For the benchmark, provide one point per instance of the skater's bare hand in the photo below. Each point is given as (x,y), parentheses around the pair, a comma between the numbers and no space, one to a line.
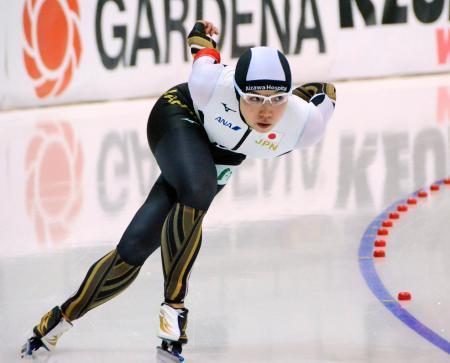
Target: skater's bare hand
(210,28)
(201,36)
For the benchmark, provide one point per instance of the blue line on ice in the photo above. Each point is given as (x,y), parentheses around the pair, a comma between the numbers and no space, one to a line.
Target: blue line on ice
(372,279)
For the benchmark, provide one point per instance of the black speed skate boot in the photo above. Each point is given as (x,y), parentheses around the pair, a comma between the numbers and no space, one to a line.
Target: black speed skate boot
(172,331)
(47,332)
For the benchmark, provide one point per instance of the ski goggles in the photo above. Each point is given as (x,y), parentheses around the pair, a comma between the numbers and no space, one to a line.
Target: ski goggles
(258,100)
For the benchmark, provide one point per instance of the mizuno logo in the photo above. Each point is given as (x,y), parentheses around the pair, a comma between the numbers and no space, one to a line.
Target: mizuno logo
(227,108)
(226,123)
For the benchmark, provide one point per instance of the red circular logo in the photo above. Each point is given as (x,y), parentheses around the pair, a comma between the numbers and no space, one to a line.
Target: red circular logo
(54,166)
(52,47)
(272,136)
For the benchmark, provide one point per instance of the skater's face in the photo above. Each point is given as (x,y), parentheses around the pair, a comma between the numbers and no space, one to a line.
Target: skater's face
(264,116)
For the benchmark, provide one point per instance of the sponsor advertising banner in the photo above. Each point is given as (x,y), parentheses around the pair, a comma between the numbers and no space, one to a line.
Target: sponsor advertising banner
(76,175)
(63,51)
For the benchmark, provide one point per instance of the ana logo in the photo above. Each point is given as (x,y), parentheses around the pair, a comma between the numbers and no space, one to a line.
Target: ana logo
(54,167)
(270,140)
(52,47)
(226,123)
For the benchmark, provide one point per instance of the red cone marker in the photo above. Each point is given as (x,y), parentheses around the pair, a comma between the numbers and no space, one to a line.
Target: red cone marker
(404,296)
(394,215)
(380,243)
(434,187)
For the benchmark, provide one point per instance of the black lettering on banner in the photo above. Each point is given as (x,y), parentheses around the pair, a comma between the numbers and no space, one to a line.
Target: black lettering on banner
(238,18)
(119,32)
(366,8)
(112,144)
(223,18)
(150,42)
(283,35)
(393,13)
(175,25)
(428,12)
(307,33)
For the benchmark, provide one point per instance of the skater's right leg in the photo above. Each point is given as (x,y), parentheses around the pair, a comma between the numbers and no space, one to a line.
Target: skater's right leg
(106,278)
(111,274)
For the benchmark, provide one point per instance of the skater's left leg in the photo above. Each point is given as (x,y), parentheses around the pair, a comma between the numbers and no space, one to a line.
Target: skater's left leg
(111,274)
(186,163)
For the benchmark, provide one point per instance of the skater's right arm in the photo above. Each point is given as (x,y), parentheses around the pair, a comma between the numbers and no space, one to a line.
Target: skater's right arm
(206,68)
(321,98)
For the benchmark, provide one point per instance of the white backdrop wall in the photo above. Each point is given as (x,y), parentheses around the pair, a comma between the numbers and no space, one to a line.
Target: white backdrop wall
(76,175)
(64,51)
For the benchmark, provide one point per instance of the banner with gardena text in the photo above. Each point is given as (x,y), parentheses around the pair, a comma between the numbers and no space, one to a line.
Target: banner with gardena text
(65,51)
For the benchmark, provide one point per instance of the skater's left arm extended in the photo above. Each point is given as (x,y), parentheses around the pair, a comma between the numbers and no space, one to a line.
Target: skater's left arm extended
(206,67)
(321,98)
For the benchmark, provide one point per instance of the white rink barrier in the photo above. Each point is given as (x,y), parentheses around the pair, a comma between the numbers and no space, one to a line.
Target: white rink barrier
(76,175)
(66,51)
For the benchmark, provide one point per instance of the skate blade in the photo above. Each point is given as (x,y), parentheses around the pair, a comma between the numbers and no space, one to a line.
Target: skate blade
(31,346)
(27,349)
(24,351)
(163,356)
